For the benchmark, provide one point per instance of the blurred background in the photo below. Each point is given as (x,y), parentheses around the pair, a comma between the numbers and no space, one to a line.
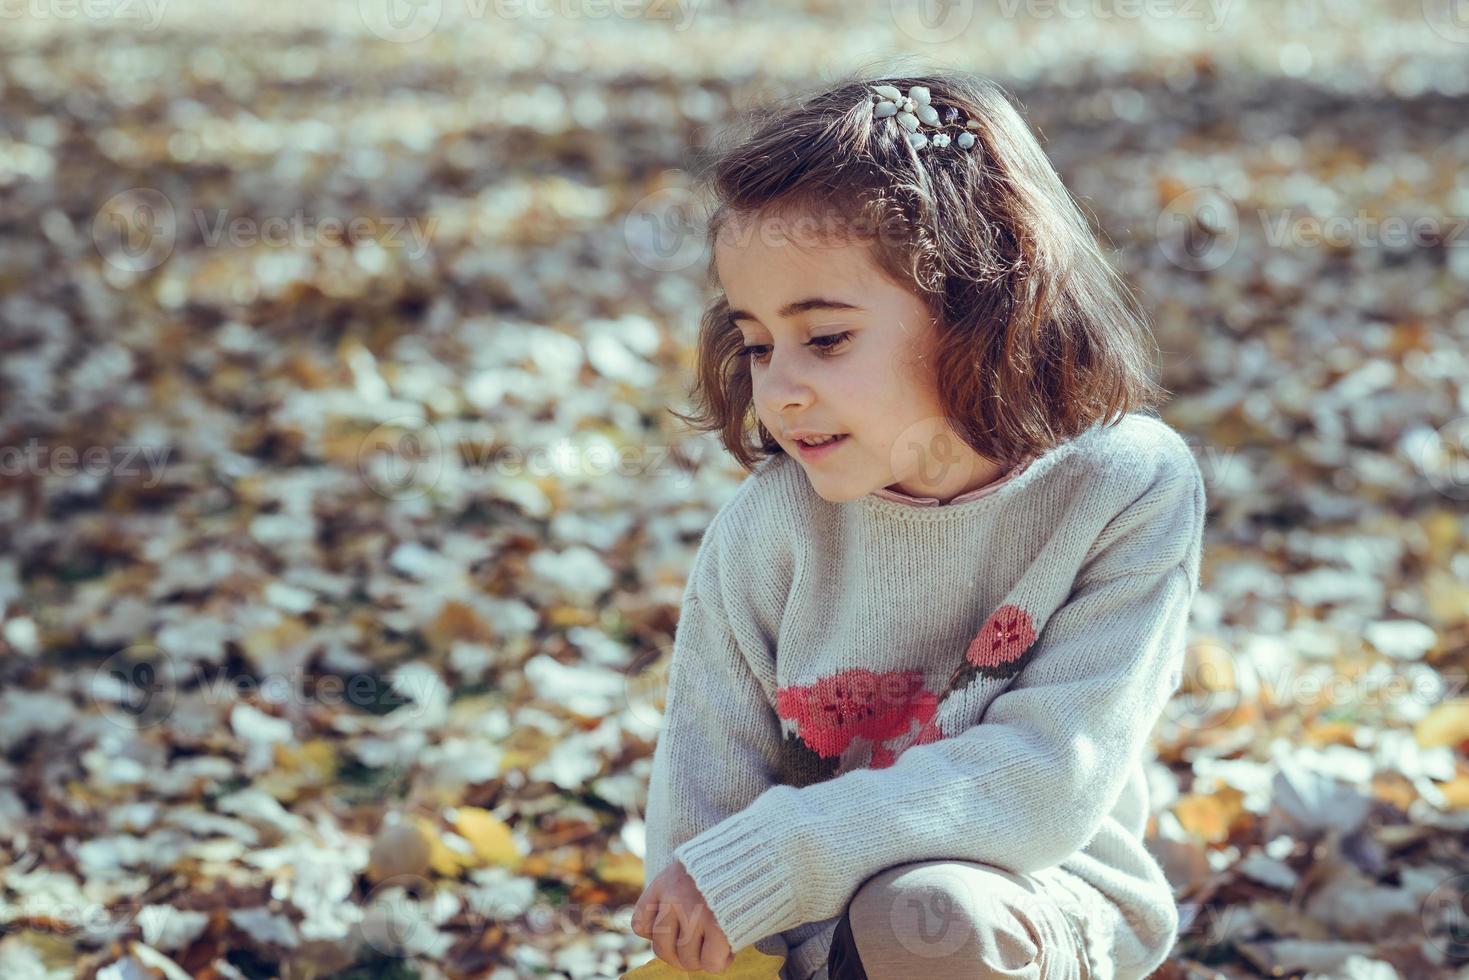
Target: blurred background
(344,522)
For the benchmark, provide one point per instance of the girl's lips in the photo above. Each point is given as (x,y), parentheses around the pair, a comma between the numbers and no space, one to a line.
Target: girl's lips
(814,453)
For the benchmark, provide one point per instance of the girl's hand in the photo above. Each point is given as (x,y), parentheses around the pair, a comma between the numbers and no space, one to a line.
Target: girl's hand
(672,914)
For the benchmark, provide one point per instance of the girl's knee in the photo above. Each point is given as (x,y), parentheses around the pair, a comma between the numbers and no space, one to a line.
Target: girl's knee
(942,919)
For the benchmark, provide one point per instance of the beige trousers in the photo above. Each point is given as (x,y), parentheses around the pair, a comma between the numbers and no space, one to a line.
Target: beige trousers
(959,920)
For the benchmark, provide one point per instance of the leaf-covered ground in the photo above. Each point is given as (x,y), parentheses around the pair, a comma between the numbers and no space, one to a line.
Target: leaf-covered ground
(344,522)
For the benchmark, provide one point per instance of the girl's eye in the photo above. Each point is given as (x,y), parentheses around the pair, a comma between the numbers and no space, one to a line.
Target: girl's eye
(825,345)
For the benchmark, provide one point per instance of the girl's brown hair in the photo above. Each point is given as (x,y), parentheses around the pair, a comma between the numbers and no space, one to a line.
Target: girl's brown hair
(1038,337)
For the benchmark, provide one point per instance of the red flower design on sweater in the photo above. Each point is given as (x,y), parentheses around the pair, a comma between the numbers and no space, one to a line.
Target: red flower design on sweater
(882,707)
(882,756)
(996,649)
(856,703)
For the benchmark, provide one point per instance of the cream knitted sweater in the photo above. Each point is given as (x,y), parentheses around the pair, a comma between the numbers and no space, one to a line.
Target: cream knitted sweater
(869,683)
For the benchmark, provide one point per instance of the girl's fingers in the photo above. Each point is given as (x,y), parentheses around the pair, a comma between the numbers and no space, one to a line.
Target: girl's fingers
(642,916)
(714,957)
(691,938)
(664,930)
(690,943)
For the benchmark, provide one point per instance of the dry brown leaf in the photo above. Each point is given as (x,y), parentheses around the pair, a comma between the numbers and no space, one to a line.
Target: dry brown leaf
(457,621)
(400,849)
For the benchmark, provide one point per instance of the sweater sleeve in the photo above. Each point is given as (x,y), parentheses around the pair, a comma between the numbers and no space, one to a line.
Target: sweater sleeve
(718,746)
(1021,790)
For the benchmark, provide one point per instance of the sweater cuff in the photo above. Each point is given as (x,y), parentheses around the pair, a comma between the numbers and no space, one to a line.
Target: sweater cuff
(736,865)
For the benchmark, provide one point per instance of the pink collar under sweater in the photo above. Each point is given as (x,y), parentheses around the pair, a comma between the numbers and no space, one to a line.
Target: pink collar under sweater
(888,493)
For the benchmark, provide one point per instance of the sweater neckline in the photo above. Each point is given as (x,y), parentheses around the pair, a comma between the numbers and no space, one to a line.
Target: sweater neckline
(1007,487)
(916,500)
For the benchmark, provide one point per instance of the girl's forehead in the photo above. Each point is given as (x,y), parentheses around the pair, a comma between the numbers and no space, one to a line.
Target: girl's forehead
(838,261)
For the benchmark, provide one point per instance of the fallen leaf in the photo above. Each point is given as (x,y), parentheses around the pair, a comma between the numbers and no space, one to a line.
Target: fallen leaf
(1445,724)
(748,964)
(620,867)
(442,859)
(1209,816)
(487,834)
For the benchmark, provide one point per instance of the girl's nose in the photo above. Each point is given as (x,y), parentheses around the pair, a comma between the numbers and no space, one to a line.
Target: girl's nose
(784,387)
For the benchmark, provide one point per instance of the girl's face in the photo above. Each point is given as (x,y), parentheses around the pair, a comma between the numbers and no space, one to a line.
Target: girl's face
(835,347)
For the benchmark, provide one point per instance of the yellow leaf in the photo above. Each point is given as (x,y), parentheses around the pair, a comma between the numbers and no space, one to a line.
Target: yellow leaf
(1446,596)
(1394,788)
(749,964)
(1442,529)
(443,859)
(262,646)
(1456,792)
(487,834)
(1208,667)
(620,868)
(562,616)
(467,710)
(1209,816)
(1445,724)
(1332,733)
(314,758)
(518,758)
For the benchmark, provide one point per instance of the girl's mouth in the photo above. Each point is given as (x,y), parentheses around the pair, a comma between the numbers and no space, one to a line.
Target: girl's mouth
(813,453)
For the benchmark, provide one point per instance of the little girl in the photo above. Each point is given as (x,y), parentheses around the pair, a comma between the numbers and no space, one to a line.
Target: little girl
(923,646)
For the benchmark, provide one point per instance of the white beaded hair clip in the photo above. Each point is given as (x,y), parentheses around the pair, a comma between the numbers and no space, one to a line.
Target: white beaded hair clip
(914,110)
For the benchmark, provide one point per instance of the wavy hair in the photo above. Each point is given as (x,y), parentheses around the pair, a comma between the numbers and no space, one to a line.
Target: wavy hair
(1038,339)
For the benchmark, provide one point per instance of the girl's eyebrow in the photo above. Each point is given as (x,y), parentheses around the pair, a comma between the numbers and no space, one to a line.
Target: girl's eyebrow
(800,306)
